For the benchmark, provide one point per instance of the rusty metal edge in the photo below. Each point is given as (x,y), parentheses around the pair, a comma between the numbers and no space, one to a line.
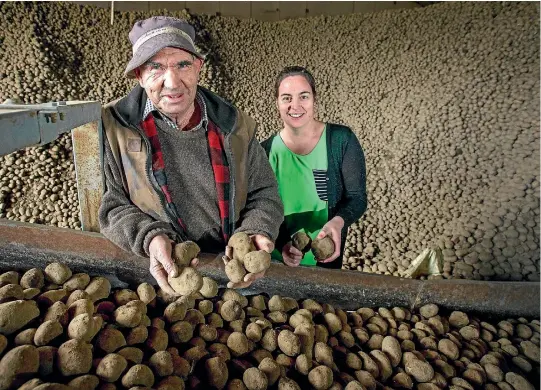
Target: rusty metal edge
(24,245)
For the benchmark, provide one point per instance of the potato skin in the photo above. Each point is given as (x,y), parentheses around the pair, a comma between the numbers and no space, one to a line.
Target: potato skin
(257,261)
(138,375)
(16,314)
(111,367)
(74,357)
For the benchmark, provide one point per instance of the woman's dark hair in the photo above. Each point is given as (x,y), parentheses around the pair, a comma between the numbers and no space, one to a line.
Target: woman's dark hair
(289,71)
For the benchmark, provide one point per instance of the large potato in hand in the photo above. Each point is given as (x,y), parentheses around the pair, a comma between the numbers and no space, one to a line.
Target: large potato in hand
(301,241)
(241,244)
(188,282)
(323,248)
(185,252)
(257,261)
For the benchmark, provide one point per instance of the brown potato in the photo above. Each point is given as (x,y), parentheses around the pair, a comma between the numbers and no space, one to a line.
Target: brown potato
(209,288)
(85,382)
(185,252)
(77,282)
(138,375)
(74,357)
(255,379)
(111,367)
(321,377)
(98,288)
(217,372)
(241,244)
(161,363)
(146,293)
(33,278)
(47,331)
(257,261)
(323,248)
(188,282)
(109,340)
(235,271)
(16,314)
(57,273)
(302,241)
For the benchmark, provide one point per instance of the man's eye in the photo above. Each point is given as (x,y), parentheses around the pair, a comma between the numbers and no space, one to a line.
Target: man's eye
(154,66)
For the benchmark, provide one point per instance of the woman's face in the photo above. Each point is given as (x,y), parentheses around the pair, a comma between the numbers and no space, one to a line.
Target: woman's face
(295,101)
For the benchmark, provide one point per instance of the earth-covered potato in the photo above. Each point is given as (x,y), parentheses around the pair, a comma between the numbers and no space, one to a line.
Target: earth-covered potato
(98,288)
(33,278)
(320,377)
(241,244)
(74,357)
(188,282)
(161,363)
(110,340)
(302,241)
(85,382)
(257,261)
(77,282)
(185,252)
(17,361)
(47,331)
(217,372)
(235,271)
(323,248)
(209,288)
(57,273)
(146,292)
(138,375)
(111,367)
(16,314)
(255,379)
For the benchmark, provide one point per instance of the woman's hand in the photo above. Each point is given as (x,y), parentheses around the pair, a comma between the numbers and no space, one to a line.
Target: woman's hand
(333,229)
(261,242)
(291,255)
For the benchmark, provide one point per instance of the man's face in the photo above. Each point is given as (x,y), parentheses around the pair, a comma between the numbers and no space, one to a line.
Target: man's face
(170,80)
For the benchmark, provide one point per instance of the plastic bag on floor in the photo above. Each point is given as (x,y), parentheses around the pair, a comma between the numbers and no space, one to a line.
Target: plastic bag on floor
(429,262)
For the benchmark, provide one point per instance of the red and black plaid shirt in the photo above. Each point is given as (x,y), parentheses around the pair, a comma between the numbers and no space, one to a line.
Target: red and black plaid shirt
(218,160)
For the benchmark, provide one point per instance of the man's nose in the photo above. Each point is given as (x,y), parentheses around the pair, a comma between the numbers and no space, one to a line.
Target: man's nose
(171,78)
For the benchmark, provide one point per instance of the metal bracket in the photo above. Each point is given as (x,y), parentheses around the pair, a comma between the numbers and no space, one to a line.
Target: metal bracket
(24,125)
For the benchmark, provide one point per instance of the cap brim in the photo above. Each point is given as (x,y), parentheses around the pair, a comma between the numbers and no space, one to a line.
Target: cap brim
(151,47)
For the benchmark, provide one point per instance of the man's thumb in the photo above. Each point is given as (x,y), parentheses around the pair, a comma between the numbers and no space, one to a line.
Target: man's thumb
(171,268)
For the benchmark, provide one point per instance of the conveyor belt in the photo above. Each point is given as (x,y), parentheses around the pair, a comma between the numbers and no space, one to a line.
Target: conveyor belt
(23,246)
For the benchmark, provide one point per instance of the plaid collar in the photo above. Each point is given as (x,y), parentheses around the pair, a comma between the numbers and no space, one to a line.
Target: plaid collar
(149,108)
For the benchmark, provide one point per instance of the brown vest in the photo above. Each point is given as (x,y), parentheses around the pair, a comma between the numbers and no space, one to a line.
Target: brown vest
(132,156)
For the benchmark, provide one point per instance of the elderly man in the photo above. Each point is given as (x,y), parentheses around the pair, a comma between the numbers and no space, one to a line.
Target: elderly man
(181,163)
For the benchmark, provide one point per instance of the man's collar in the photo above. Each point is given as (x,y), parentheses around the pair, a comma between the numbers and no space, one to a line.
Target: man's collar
(150,107)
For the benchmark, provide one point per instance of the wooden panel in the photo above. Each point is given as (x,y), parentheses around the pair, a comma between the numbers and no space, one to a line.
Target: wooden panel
(291,9)
(372,6)
(329,7)
(168,5)
(236,9)
(203,7)
(265,10)
(124,6)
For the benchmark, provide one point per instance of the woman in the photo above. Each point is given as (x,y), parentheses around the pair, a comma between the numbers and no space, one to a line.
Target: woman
(320,170)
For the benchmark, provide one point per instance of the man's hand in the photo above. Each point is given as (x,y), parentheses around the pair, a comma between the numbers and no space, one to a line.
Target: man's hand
(333,229)
(291,255)
(161,263)
(261,242)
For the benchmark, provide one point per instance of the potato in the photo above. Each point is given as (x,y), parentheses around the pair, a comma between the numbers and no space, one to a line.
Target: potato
(205,307)
(420,370)
(130,315)
(458,319)
(333,323)
(18,361)
(303,364)
(157,339)
(255,379)
(181,332)
(98,288)
(137,335)
(146,293)
(76,295)
(16,314)
(384,364)
(3,343)
(25,337)
(193,355)
(185,252)
(124,296)
(49,297)
(391,347)
(323,354)
(209,288)
(302,241)
(171,383)
(236,384)
(241,244)
(321,377)
(47,331)
(109,340)
(31,384)
(132,354)
(269,341)
(288,384)
(231,310)
(161,363)
(74,357)
(30,293)
(57,273)
(9,277)
(254,332)
(138,375)
(11,292)
(188,282)
(238,343)
(175,311)
(84,327)
(80,306)
(111,367)
(289,343)
(77,282)
(85,382)
(52,386)
(33,278)
(235,271)
(217,373)
(323,248)
(257,261)
(271,369)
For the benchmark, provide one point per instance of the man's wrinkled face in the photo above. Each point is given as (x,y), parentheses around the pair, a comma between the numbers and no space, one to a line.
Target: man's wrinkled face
(170,80)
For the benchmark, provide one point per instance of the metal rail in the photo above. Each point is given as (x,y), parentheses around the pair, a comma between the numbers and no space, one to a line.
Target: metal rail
(24,245)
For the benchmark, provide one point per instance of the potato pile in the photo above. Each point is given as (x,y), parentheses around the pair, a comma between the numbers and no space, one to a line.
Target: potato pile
(244,259)
(444,100)
(66,330)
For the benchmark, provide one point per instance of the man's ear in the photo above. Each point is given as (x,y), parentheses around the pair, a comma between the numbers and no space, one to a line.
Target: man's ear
(198,64)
